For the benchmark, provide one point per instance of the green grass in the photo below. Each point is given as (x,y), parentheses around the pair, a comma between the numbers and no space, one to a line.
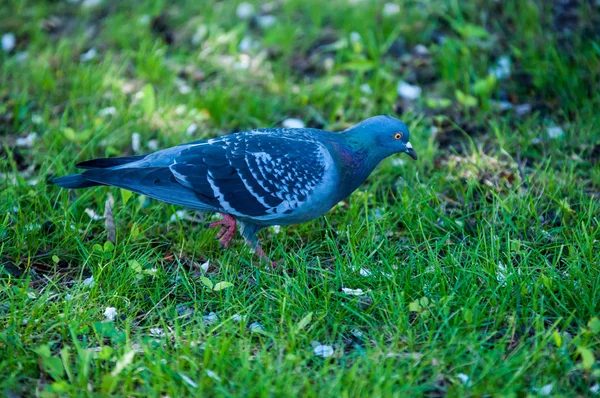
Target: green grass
(480,260)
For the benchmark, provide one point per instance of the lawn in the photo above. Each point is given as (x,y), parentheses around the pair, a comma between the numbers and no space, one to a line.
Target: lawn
(472,271)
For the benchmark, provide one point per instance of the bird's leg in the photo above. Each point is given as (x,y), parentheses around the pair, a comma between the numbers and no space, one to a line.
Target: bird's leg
(263,256)
(249,232)
(228,228)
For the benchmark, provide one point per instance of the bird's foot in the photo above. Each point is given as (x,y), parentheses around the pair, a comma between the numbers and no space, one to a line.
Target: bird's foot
(227,232)
(263,256)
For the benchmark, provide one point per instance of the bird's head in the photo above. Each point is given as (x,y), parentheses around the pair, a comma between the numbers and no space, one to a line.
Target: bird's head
(384,135)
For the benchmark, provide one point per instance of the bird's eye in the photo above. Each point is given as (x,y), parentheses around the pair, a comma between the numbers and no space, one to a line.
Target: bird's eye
(397,136)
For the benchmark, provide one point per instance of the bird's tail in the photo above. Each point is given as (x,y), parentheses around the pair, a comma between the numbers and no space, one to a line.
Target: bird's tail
(73,181)
(76,181)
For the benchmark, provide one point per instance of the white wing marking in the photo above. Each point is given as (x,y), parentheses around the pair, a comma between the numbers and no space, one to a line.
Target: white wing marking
(217,194)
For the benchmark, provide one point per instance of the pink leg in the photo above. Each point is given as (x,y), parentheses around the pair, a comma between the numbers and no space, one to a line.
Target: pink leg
(263,256)
(228,228)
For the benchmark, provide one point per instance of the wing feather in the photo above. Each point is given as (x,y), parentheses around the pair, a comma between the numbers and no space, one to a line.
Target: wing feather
(253,174)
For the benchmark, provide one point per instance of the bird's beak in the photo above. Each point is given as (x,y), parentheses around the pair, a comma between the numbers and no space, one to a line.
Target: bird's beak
(410,151)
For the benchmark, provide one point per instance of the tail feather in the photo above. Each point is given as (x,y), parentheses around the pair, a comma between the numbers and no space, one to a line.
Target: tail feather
(155,182)
(74,181)
(103,163)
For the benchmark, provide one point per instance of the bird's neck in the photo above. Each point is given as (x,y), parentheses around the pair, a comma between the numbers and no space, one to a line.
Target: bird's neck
(357,161)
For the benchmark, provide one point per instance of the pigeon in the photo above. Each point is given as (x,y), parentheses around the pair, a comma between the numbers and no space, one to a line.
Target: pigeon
(255,178)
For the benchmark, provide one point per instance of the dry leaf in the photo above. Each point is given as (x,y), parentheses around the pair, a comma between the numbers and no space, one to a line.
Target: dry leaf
(111,231)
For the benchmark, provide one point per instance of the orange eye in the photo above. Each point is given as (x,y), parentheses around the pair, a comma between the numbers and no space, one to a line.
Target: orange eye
(397,136)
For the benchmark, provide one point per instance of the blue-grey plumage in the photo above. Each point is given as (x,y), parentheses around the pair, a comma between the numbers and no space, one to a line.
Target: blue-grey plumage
(259,177)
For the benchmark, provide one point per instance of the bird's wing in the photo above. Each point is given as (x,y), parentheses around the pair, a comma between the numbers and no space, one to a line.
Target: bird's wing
(259,174)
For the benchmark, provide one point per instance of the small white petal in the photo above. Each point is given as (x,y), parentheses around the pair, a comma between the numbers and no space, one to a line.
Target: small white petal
(110,313)
(502,68)
(397,162)
(408,91)
(111,110)
(32,227)
(211,318)
(89,282)
(323,351)
(88,55)
(157,332)
(353,292)
(555,132)
(255,327)
(464,379)
(328,64)
(144,19)
(595,388)
(366,89)
(128,88)
(501,274)
(276,229)
(355,37)
(153,145)
(244,10)
(501,105)
(180,109)
(243,62)
(365,272)
(246,44)
(522,109)
(293,123)
(546,390)
(26,142)
(93,215)
(357,333)
(9,41)
(136,142)
(205,266)
(185,89)
(266,21)
(191,129)
(179,214)
(390,9)
(238,318)
(91,3)
(378,213)
(421,50)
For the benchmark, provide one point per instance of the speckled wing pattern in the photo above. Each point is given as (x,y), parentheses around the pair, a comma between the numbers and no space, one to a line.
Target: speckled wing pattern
(260,174)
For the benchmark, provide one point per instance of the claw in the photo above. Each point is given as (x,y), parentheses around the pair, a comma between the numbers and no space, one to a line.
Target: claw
(227,231)
(221,232)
